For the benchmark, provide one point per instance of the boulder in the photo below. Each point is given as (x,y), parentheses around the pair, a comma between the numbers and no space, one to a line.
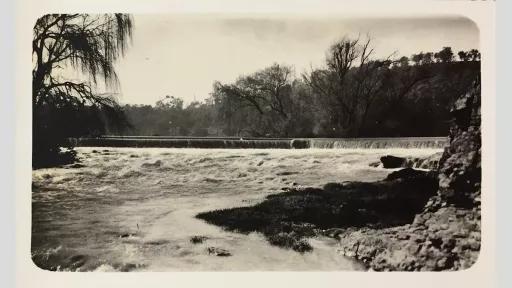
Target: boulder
(393,161)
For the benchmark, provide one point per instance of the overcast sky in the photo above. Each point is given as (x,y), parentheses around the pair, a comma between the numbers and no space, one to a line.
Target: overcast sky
(183,55)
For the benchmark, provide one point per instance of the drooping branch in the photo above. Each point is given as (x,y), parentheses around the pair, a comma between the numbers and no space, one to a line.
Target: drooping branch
(89,44)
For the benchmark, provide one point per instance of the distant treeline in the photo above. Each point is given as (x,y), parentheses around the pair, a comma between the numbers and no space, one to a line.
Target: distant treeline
(352,95)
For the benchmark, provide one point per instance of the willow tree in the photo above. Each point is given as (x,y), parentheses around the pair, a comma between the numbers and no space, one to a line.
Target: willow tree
(62,108)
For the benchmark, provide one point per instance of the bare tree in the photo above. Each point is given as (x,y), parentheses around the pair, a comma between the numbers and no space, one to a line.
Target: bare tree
(348,84)
(267,92)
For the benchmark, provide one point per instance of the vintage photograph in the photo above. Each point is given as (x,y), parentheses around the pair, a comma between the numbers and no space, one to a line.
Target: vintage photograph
(241,142)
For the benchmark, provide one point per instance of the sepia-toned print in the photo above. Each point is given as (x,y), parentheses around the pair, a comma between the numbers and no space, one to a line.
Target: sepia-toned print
(255,143)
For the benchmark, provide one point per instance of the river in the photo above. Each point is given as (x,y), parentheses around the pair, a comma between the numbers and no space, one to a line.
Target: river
(132,209)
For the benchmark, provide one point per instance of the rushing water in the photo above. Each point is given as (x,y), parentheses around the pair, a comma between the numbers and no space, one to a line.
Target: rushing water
(133,208)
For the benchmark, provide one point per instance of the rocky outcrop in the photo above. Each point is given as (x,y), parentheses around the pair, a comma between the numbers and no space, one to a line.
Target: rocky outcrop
(446,234)
(447,239)
(460,169)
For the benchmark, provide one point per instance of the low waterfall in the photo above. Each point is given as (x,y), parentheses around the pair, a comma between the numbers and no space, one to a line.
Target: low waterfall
(379,143)
(228,143)
(261,143)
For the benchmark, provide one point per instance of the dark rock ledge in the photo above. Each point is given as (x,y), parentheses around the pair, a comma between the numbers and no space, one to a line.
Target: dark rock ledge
(287,219)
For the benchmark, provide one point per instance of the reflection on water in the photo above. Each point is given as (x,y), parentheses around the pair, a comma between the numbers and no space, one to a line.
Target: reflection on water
(132,209)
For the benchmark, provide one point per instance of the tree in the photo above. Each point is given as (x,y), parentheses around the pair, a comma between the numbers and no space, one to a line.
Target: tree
(463,56)
(348,85)
(428,58)
(445,55)
(170,102)
(87,43)
(417,58)
(264,96)
(403,61)
(474,55)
